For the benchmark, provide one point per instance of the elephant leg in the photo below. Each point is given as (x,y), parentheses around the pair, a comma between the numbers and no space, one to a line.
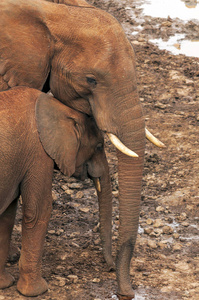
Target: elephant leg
(6,226)
(37,206)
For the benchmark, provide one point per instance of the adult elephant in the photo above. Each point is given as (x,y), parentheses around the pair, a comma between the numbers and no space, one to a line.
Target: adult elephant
(84,56)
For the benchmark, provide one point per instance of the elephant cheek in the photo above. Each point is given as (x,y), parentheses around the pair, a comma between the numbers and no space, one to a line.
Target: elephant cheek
(81,172)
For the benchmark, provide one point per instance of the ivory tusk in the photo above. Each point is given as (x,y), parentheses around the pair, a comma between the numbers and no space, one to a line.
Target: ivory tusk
(97,184)
(153,139)
(120,146)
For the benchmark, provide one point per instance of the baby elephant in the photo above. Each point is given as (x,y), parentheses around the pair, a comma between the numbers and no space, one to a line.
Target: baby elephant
(36,130)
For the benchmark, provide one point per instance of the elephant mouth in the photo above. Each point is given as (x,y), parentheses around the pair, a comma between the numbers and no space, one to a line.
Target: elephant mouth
(82,173)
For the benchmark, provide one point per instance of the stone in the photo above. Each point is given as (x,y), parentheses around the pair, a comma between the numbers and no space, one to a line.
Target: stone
(183,267)
(160,208)
(61,281)
(182,217)
(79,195)
(162,245)
(84,209)
(176,236)
(96,280)
(64,256)
(54,196)
(75,185)
(73,278)
(185,224)
(149,221)
(177,247)
(166,24)
(152,244)
(158,223)
(148,230)
(167,230)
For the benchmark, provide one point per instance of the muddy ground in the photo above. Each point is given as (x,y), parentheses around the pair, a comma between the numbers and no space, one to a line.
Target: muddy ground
(166,262)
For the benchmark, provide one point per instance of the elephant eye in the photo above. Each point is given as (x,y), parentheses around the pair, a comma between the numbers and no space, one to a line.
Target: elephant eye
(91,81)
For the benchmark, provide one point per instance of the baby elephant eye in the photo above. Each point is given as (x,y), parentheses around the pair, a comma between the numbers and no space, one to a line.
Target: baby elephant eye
(91,81)
(99,147)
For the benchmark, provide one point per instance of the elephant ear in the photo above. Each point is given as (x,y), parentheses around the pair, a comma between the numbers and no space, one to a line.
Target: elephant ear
(58,132)
(25,48)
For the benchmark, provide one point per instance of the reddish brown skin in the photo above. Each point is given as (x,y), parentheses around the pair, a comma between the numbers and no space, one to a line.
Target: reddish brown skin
(71,44)
(27,169)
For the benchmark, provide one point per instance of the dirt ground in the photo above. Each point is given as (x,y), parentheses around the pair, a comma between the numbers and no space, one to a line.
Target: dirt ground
(166,258)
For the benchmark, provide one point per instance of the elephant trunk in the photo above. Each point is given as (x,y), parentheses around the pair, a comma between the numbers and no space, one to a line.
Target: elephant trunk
(130,171)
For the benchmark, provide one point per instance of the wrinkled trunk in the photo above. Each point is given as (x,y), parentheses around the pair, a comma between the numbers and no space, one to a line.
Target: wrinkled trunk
(130,170)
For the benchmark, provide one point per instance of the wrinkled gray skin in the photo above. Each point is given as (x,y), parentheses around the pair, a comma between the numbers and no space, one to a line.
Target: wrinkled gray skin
(90,66)
(36,130)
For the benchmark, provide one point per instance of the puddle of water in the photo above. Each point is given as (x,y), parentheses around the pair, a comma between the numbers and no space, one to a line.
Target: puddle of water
(177,45)
(182,9)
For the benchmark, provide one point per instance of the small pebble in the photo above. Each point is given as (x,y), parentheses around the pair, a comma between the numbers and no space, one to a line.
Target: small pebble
(158,223)
(152,244)
(73,278)
(96,280)
(167,230)
(160,208)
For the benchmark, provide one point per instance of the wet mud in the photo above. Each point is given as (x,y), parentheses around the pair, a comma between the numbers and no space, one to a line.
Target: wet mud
(165,264)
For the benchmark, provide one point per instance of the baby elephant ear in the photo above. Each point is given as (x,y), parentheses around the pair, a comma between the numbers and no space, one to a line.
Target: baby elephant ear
(58,132)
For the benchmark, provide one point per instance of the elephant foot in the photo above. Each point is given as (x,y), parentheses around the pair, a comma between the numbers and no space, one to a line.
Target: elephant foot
(32,288)
(6,280)
(122,297)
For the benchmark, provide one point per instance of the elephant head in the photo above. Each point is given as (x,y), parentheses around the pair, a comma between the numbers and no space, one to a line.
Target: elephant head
(85,56)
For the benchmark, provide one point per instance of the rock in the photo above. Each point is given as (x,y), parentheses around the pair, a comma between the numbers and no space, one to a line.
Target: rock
(182,217)
(96,228)
(97,241)
(160,105)
(185,224)
(96,280)
(177,247)
(79,195)
(176,236)
(61,281)
(162,244)
(51,231)
(54,196)
(149,221)
(160,208)
(167,230)
(158,223)
(75,185)
(157,232)
(152,244)
(166,24)
(183,267)
(84,209)
(148,230)
(73,278)
(64,256)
